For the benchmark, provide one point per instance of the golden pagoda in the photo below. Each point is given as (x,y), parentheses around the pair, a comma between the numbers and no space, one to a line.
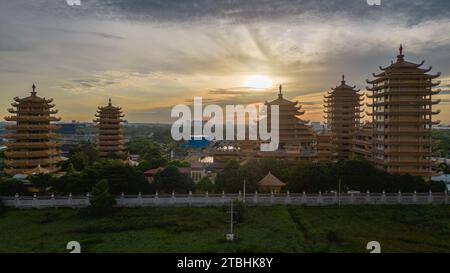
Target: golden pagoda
(109,131)
(343,114)
(402,117)
(296,138)
(362,144)
(32,146)
(326,147)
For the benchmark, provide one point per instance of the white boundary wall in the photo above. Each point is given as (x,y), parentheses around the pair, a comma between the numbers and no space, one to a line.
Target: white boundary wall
(256,199)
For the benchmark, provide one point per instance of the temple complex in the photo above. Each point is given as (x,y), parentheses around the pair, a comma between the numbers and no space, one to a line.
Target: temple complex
(362,143)
(110,141)
(32,147)
(343,115)
(326,147)
(402,117)
(297,140)
(296,137)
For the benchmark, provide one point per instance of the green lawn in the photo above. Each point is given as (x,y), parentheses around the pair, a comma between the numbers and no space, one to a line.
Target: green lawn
(264,229)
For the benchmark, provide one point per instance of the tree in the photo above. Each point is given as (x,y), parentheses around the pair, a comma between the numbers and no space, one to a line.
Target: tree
(79,161)
(170,179)
(11,186)
(102,202)
(205,185)
(73,182)
(230,179)
(43,182)
(121,177)
(179,163)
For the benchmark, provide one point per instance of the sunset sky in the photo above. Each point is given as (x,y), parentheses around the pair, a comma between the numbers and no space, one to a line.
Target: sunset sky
(151,55)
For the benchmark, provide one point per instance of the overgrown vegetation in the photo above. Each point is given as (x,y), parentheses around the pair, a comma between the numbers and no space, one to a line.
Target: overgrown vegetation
(102,202)
(354,174)
(263,229)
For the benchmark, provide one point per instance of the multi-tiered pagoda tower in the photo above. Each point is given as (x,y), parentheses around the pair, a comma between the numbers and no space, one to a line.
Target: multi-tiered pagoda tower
(402,117)
(295,135)
(109,135)
(343,114)
(32,145)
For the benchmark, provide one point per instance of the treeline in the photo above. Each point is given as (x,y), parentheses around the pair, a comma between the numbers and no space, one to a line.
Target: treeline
(355,174)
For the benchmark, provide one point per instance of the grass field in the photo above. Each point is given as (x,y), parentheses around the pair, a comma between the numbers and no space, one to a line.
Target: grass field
(264,229)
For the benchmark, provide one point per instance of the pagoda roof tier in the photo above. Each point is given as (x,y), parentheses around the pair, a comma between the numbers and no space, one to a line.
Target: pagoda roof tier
(403,131)
(111,148)
(43,106)
(410,102)
(32,111)
(33,99)
(30,136)
(109,142)
(30,127)
(109,126)
(423,152)
(109,132)
(106,115)
(12,171)
(402,112)
(109,109)
(396,75)
(411,92)
(32,118)
(18,145)
(21,154)
(408,122)
(408,162)
(404,142)
(109,120)
(109,137)
(402,86)
(33,162)
(344,100)
(340,113)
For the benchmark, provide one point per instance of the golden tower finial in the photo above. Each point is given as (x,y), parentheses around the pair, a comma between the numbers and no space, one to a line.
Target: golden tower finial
(400,56)
(33,88)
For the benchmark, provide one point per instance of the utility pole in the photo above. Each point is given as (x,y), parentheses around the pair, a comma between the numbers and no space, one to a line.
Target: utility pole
(339,193)
(230,236)
(243,200)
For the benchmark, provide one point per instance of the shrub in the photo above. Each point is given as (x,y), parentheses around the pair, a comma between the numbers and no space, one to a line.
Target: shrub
(102,202)
(2,207)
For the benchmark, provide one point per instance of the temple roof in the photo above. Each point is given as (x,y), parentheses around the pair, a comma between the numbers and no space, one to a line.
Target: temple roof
(344,86)
(402,65)
(33,97)
(281,101)
(271,181)
(110,107)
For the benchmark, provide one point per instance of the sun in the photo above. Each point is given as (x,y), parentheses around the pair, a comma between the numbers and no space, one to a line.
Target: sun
(258,82)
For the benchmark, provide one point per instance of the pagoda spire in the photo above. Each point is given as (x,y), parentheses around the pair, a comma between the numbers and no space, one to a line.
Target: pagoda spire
(33,88)
(400,57)
(343,79)
(109,102)
(280,94)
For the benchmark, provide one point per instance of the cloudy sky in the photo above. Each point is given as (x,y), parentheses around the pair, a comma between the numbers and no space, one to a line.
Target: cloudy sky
(149,55)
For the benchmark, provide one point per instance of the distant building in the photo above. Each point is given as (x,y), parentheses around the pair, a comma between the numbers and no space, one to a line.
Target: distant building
(32,145)
(109,131)
(270,183)
(343,114)
(326,147)
(362,143)
(402,117)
